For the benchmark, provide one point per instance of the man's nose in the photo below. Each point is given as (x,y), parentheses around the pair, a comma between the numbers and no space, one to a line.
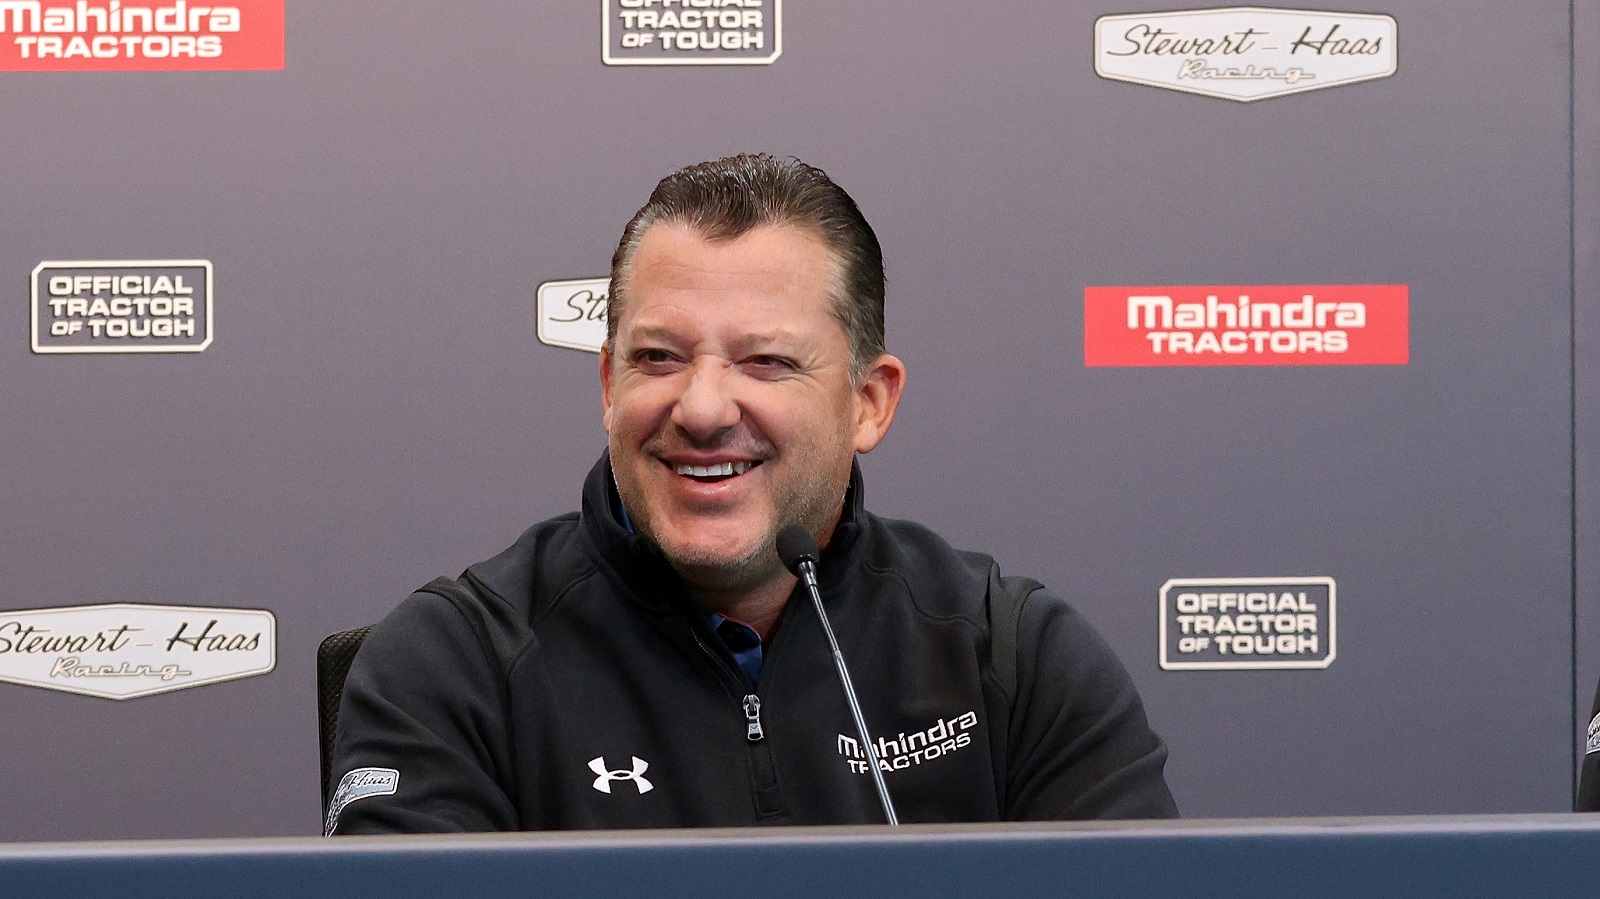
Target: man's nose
(707,405)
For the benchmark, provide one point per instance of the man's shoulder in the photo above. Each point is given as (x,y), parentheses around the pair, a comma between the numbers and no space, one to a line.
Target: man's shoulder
(940,577)
(898,541)
(518,581)
(548,553)
(498,599)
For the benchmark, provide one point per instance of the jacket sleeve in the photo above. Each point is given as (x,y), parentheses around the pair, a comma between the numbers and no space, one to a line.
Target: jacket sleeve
(1079,746)
(422,744)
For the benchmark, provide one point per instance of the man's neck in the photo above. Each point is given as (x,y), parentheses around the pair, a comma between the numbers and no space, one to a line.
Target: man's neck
(758,601)
(760,606)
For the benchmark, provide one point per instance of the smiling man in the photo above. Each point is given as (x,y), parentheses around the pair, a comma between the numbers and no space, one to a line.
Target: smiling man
(733,403)
(646,663)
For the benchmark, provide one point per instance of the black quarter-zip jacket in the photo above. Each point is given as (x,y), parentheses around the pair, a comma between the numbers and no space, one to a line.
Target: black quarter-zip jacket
(571,683)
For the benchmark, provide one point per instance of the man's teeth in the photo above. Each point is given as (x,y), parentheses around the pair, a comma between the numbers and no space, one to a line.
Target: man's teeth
(710,471)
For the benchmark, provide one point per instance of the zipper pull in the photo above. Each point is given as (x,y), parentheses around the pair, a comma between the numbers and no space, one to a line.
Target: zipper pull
(752,718)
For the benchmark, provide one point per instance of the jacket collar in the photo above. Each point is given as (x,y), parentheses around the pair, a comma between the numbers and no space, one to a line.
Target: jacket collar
(639,564)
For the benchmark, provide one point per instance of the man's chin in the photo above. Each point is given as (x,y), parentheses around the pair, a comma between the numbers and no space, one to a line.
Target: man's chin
(720,566)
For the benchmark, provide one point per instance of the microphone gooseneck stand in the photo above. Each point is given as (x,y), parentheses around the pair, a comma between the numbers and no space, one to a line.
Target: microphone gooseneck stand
(799,554)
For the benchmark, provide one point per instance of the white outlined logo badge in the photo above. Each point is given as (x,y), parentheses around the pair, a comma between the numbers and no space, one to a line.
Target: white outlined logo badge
(691,32)
(1245,53)
(572,314)
(1247,623)
(122,306)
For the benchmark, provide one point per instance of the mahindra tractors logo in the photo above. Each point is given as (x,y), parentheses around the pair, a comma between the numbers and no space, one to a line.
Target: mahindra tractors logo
(119,36)
(907,750)
(1323,324)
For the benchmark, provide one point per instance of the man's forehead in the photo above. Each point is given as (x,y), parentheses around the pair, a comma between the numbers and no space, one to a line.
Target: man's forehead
(678,273)
(675,237)
(676,244)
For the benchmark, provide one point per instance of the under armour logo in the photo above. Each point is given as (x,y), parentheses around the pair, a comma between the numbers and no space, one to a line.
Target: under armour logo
(603,782)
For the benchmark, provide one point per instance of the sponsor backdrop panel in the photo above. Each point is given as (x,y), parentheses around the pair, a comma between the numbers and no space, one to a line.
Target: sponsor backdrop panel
(375,213)
(1429,491)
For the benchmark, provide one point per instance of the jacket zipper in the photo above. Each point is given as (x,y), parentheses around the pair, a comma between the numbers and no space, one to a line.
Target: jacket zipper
(767,800)
(752,718)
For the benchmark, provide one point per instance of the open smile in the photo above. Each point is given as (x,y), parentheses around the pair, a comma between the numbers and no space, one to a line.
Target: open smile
(710,474)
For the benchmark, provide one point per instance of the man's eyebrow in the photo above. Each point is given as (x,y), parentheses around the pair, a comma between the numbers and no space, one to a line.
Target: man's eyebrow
(780,339)
(653,332)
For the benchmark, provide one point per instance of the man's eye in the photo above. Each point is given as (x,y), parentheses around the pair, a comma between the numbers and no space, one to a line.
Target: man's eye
(771,363)
(652,357)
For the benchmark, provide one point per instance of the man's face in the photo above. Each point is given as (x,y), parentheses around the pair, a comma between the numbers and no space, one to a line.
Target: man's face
(728,401)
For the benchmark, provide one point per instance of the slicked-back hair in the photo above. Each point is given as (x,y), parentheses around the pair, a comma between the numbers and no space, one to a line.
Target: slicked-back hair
(724,199)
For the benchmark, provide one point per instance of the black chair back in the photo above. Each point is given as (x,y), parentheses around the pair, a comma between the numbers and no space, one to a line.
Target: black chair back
(1589,778)
(333,663)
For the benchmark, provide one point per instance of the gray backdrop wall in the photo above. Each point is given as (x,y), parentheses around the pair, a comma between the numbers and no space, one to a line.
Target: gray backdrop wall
(375,408)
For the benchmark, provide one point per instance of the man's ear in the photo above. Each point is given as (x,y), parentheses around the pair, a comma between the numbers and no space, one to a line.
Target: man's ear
(877,399)
(605,385)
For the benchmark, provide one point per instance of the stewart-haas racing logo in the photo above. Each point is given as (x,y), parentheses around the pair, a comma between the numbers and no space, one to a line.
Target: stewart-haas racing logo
(126,650)
(944,737)
(572,313)
(1319,324)
(1245,53)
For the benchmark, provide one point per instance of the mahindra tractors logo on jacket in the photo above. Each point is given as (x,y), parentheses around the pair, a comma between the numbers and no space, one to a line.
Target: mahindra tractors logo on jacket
(905,750)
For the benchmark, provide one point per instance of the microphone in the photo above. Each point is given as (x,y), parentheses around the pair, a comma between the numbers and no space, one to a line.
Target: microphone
(799,553)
